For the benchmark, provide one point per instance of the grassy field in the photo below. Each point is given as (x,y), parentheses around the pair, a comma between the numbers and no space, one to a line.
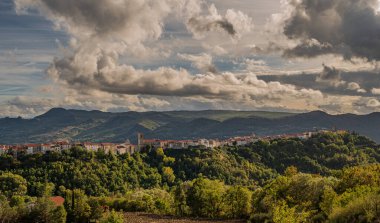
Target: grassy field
(150,218)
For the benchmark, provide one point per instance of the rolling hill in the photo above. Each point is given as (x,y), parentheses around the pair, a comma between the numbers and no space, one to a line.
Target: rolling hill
(96,126)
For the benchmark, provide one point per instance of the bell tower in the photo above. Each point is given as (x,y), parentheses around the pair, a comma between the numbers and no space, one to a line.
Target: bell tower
(140,140)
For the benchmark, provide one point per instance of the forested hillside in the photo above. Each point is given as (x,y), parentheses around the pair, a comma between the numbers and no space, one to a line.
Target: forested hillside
(332,177)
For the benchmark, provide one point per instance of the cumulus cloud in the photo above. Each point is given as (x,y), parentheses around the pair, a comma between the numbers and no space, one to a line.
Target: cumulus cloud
(259,67)
(203,62)
(30,106)
(373,103)
(103,32)
(331,76)
(353,86)
(131,21)
(350,28)
(233,23)
(375,91)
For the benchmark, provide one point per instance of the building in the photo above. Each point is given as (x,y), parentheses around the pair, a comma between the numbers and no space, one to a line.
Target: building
(58,146)
(63,145)
(91,146)
(46,148)
(126,148)
(58,201)
(32,148)
(4,149)
(108,147)
(140,141)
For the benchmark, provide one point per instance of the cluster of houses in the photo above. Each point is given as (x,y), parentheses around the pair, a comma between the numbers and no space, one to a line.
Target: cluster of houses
(65,145)
(127,147)
(213,143)
(197,143)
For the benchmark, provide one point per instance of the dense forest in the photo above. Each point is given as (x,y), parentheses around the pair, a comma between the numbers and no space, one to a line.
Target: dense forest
(331,177)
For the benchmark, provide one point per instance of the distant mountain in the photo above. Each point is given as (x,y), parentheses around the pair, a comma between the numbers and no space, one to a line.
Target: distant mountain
(96,126)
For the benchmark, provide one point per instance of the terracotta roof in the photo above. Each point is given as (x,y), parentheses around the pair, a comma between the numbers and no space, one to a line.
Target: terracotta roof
(58,201)
(152,140)
(108,144)
(32,145)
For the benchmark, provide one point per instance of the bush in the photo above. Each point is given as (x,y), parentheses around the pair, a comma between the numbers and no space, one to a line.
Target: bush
(112,217)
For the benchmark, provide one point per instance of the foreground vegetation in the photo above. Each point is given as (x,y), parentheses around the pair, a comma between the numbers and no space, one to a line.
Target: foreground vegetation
(332,177)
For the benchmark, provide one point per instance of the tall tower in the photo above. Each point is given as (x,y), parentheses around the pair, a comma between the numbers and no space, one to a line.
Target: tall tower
(140,140)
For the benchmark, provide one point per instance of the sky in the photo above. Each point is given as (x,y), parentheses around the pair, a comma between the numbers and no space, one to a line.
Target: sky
(149,55)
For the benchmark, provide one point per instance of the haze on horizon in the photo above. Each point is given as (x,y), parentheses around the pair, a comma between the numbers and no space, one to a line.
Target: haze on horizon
(134,55)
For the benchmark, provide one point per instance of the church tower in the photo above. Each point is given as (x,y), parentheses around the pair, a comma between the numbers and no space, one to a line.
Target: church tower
(140,140)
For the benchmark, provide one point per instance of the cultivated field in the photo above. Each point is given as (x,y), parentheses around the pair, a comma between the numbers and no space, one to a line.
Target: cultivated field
(150,218)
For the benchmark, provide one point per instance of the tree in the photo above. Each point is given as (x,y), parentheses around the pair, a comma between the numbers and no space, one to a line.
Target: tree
(160,153)
(45,189)
(205,198)
(180,190)
(112,217)
(282,213)
(12,184)
(76,205)
(238,202)
(168,174)
(59,214)
(291,171)
(328,197)
(7,213)
(45,211)
(365,208)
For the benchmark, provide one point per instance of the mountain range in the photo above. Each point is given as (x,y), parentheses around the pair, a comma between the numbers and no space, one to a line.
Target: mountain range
(97,126)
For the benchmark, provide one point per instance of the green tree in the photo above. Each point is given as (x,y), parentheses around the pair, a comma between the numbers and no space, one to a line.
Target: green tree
(77,207)
(7,213)
(12,184)
(168,175)
(205,198)
(45,189)
(45,211)
(282,213)
(112,217)
(238,202)
(180,190)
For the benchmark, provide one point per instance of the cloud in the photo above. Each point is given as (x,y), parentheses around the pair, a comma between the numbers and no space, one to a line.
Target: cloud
(373,103)
(375,91)
(203,62)
(30,106)
(233,23)
(101,34)
(259,67)
(350,28)
(26,106)
(331,76)
(130,21)
(355,87)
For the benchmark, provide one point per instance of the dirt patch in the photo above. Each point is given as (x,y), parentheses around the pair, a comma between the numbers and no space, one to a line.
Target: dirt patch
(151,218)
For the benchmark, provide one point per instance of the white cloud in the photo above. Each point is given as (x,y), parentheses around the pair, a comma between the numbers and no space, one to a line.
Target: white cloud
(375,91)
(234,23)
(123,55)
(203,62)
(355,87)
(373,103)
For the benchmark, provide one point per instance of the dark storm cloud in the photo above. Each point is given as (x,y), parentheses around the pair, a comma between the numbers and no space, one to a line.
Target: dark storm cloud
(330,75)
(203,26)
(347,27)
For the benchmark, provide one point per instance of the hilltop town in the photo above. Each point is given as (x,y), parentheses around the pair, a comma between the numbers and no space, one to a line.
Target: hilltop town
(128,147)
